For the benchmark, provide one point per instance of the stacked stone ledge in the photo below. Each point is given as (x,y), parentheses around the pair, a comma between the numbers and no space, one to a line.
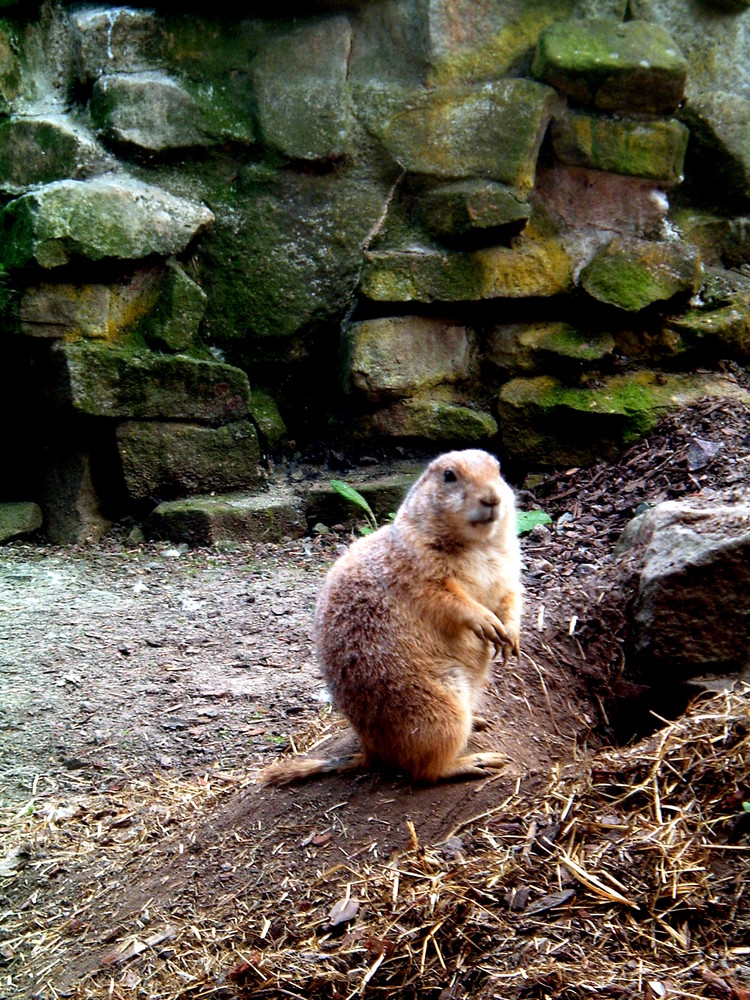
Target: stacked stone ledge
(388,166)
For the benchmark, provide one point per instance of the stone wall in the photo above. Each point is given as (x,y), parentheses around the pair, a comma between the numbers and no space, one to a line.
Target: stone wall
(342,224)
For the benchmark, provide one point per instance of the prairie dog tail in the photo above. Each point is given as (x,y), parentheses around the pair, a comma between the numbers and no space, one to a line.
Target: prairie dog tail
(298,769)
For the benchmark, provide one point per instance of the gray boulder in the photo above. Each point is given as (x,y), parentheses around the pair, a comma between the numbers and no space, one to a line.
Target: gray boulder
(103,218)
(691,561)
(156,112)
(166,459)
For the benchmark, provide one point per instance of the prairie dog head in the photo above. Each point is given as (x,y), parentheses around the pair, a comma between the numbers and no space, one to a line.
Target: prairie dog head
(460,497)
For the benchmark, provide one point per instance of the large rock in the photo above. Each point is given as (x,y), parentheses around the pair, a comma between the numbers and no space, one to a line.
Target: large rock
(545,422)
(285,254)
(584,198)
(63,310)
(400,356)
(432,418)
(156,113)
(536,265)
(19,519)
(633,274)
(384,494)
(637,147)
(163,460)
(691,614)
(532,347)
(301,90)
(475,209)
(107,381)
(493,130)
(115,40)
(720,146)
(120,219)
(631,66)
(258,517)
(172,325)
(71,503)
(722,332)
(44,149)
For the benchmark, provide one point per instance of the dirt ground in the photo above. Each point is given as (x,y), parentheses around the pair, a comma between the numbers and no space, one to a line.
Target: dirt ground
(144,686)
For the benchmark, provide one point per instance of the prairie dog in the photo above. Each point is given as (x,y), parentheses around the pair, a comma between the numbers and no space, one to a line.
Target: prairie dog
(408,621)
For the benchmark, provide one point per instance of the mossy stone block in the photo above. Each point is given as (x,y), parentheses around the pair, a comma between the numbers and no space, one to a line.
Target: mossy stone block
(155,113)
(108,381)
(633,274)
(398,356)
(536,265)
(301,90)
(286,252)
(19,519)
(529,347)
(163,460)
(613,66)
(432,419)
(469,208)
(265,414)
(543,421)
(258,517)
(493,130)
(172,325)
(483,40)
(722,332)
(635,147)
(97,219)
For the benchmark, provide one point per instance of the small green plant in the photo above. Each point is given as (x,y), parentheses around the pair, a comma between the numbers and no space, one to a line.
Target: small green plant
(528,519)
(355,497)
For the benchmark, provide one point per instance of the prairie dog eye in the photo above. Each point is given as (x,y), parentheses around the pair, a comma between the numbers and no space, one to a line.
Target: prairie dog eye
(449,476)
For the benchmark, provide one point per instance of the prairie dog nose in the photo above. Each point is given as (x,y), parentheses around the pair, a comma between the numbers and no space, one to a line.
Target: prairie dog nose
(490,500)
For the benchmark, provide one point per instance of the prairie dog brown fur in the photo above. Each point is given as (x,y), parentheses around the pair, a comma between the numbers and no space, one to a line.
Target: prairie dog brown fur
(408,621)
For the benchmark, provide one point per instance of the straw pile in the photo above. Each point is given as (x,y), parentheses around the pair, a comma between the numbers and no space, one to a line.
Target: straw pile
(625,877)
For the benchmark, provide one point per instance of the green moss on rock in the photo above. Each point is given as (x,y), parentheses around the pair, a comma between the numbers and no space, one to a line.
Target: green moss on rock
(528,347)
(107,381)
(469,208)
(267,418)
(156,112)
(634,147)
(96,219)
(259,517)
(432,419)
(162,460)
(613,66)
(172,325)
(536,265)
(492,130)
(633,274)
(543,421)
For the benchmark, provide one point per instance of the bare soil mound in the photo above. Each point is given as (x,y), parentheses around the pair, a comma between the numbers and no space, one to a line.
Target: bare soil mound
(143,689)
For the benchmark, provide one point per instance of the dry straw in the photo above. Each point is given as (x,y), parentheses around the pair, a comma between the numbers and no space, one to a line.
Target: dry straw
(626,877)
